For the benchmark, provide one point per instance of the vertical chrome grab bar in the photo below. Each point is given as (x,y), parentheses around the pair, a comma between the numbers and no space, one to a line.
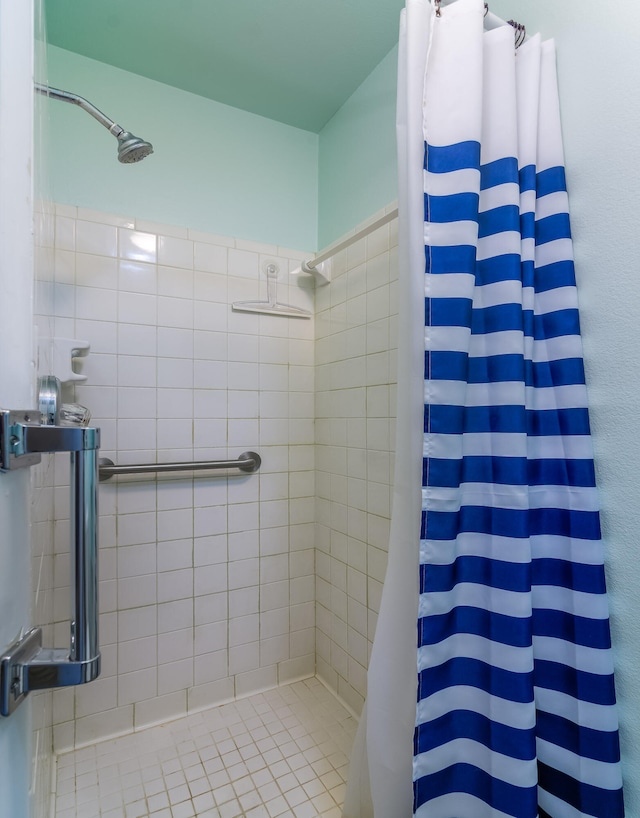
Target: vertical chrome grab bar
(26,665)
(84,557)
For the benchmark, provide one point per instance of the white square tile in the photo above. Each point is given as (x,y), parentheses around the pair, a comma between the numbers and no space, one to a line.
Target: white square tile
(175,252)
(136,339)
(210,550)
(174,585)
(243,404)
(136,245)
(210,316)
(210,374)
(175,646)
(244,629)
(211,608)
(274,595)
(211,667)
(175,524)
(136,434)
(137,308)
(210,257)
(175,676)
(95,271)
(136,371)
(209,433)
(175,312)
(97,239)
(243,573)
(210,346)
(175,342)
(243,434)
(175,282)
(137,654)
(208,287)
(174,554)
(243,263)
(243,517)
(243,601)
(210,520)
(175,615)
(136,403)
(210,579)
(244,657)
(244,545)
(137,623)
(175,373)
(137,686)
(96,304)
(211,637)
(136,529)
(210,403)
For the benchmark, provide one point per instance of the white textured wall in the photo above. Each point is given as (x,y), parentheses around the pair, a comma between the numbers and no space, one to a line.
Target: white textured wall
(16,270)
(599,74)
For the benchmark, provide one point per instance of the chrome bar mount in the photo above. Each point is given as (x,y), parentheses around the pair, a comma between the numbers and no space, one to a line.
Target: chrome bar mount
(26,665)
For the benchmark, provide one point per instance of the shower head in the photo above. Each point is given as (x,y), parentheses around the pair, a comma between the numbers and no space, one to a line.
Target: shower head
(131,148)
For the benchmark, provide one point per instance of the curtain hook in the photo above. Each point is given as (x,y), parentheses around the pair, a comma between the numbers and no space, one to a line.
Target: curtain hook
(520,32)
(438,12)
(486,9)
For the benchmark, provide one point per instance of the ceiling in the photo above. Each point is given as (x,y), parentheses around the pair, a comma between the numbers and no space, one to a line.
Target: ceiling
(295,61)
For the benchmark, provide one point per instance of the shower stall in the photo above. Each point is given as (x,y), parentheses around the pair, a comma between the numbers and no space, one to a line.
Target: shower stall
(236,607)
(219,586)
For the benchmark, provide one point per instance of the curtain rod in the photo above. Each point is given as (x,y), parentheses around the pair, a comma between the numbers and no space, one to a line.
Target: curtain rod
(311,265)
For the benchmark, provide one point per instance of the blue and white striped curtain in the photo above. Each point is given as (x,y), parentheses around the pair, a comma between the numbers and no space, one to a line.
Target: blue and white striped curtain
(516,705)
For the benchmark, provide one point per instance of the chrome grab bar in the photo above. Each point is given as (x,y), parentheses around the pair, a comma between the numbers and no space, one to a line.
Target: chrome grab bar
(26,665)
(248,462)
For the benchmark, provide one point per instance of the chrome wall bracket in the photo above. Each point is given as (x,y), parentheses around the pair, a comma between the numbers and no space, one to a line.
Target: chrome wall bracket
(26,665)
(12,452)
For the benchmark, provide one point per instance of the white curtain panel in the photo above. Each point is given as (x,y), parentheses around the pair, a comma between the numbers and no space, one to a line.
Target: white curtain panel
(380,779)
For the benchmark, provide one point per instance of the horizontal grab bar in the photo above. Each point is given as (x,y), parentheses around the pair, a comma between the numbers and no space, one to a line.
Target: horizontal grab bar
(248,462)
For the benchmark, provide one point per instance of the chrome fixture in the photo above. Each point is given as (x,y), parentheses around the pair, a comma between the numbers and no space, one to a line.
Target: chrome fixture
(26,665)
(130,148)
(49,400)
(248,462)
(53,412)
(312,266)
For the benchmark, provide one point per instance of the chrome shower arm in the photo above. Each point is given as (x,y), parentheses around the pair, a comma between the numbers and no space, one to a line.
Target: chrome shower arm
(130,148)
(74,99)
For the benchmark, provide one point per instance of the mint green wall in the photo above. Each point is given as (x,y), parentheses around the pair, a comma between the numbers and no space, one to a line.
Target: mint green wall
(215,168)
(357,162)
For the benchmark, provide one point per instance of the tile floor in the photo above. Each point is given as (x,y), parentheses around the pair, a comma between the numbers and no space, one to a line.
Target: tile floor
(278,754)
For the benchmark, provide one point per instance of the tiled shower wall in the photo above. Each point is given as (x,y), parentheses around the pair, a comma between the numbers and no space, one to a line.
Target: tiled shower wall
(207,583)
(356,341)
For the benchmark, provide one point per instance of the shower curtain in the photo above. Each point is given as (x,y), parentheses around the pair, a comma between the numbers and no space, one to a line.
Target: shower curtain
(502,565)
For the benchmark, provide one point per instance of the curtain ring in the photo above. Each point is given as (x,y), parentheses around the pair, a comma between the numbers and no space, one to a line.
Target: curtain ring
(486,9)
(520,32)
